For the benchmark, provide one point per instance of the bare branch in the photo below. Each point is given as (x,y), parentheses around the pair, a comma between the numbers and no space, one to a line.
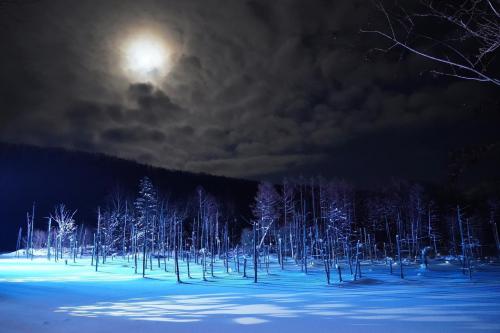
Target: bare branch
(474,42)
(493,8)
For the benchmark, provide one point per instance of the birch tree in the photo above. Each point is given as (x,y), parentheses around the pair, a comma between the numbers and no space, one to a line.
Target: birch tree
(146,206)
(65,224)
(266,212)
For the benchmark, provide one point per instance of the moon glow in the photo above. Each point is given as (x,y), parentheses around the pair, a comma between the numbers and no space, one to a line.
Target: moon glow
(146,58)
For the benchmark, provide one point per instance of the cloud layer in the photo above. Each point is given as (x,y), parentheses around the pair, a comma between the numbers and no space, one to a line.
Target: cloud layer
(257,89)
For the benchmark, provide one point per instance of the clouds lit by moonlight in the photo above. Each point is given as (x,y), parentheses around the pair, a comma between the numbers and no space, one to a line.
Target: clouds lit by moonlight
(145,57)
(254,89)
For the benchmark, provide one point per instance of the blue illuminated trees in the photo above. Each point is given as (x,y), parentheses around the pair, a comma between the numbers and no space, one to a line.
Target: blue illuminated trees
(266,212)
(116,220)
(30,221)
(65,226)
(287,209)
(205,229)
(494,206)
(311,221)
(146,206)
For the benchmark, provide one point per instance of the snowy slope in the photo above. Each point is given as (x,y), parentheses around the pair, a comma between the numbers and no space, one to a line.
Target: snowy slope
(38,296)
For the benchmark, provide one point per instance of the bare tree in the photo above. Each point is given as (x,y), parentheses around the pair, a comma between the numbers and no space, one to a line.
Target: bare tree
(494,206)
(30,219)
(287,205)
(464,41)
(146,206)
(65,224)
(49,234)
(266,211)
(19,240)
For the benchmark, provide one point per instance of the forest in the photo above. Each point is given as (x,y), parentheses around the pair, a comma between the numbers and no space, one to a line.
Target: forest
(300,222)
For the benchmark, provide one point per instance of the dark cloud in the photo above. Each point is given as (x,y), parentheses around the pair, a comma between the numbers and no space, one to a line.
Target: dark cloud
(132,134)
(257,89)
(153,105)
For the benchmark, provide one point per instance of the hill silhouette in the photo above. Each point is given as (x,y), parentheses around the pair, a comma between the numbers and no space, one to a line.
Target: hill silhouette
(48,176)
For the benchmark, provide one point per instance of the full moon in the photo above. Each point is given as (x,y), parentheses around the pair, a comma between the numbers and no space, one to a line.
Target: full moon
(146,57)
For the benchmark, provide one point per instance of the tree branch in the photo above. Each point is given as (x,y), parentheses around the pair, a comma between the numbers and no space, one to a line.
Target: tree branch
(475,22)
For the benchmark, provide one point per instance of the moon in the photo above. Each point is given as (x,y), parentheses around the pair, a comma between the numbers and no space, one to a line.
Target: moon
(146,58)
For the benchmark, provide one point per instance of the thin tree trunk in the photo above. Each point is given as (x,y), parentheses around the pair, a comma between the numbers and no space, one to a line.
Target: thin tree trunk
(399,257)
(255,253)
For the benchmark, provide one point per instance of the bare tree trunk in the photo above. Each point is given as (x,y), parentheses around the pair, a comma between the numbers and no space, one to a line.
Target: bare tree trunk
(144,258)
(497,240)
(464,253)
(327,266)
(176,253)
(31,233)
(124,229)
(255,252)
(96,250)
(28,230)
(75,250)
(357,267)
(19,239)
(399,258)
(282,261)
(98,240)
(93,253)
(304,246)
(244,267)
(471,254)
(203,268)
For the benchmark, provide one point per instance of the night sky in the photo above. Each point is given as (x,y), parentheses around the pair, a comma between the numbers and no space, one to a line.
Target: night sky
(252,89)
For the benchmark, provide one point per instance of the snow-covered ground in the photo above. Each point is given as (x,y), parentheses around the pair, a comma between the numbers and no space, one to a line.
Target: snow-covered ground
(40,296)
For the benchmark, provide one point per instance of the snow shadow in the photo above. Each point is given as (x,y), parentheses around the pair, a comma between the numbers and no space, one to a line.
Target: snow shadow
(245,309)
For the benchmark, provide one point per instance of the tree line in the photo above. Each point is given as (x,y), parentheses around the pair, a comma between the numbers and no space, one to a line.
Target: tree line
(300,222)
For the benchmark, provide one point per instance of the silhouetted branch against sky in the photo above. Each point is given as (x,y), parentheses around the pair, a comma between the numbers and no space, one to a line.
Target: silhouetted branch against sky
(467,47)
